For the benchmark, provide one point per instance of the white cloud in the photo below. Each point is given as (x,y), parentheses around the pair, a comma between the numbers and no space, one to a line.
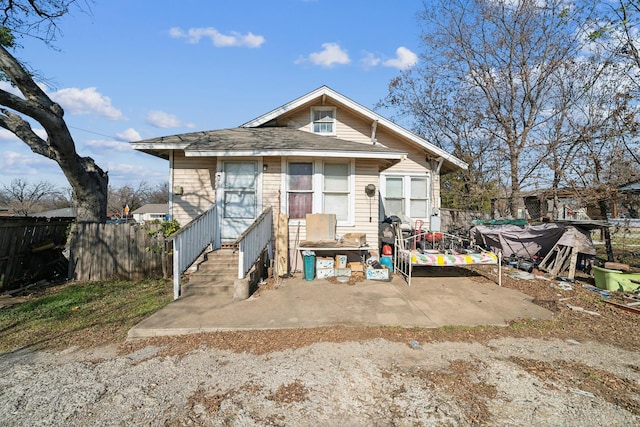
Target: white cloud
(129,135)
(330,55)
(86,101)
(108,145)
(12,163)
(233,39)
(122,172)
(404,59)
(369,60)
(163,120)
(76,101)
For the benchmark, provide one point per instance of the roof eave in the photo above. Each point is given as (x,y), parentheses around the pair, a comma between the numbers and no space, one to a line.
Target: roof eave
(160,150)
(295,153)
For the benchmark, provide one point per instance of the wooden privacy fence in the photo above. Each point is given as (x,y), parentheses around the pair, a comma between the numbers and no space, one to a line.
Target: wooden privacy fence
(119,251)
(31,250)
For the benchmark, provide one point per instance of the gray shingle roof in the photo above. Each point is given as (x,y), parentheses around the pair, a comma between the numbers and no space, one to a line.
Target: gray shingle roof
(155,208)
(264,140)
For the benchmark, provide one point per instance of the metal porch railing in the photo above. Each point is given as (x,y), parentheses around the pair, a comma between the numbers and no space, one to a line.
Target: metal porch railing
(190,241)
(253,240)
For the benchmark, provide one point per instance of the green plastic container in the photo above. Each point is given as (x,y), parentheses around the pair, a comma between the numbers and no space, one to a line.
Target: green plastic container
(309,267)
(615,280)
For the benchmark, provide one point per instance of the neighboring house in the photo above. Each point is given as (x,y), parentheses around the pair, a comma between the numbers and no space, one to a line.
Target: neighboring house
(151,212)
(315,154)
(4,211)
(539,205)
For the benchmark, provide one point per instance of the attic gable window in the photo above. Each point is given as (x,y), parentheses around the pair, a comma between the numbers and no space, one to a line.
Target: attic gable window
(323,120)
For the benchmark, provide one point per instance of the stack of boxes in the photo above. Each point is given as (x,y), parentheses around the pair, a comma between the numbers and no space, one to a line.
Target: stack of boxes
(337,267)
(324,268)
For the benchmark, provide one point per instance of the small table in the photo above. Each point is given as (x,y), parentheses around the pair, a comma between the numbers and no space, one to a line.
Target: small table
(332,246)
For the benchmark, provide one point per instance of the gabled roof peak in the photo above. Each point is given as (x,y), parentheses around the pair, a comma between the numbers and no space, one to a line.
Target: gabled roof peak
(348,103)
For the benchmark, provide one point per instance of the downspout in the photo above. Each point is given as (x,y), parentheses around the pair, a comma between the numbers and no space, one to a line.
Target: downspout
(171,184)
(435,204)
(440,161)
(374,126)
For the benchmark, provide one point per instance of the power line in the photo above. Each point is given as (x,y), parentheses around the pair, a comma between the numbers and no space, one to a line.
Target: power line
(95,133)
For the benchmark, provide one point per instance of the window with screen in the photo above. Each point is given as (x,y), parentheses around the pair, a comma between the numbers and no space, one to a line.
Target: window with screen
(324,120)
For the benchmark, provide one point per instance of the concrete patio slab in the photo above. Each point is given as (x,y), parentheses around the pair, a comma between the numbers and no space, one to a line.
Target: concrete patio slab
(430,302)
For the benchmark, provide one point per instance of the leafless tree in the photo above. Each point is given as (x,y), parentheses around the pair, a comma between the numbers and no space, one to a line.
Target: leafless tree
(486,83)
(24,198)
(87,180)
(136,196)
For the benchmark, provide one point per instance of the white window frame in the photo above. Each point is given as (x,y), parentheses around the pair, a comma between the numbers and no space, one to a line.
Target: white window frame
(334,121)
(318,187)
(285,184)
(406,193)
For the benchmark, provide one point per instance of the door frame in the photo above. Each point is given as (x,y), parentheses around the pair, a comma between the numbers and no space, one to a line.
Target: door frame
(220,177)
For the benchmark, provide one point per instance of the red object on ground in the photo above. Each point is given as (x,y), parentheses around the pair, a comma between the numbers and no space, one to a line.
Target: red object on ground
(386,250)
(434,237)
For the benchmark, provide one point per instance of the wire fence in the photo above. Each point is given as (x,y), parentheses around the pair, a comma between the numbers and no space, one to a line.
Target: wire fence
(624,235)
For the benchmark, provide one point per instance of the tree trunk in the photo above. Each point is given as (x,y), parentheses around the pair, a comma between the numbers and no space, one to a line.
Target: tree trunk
(602,204)
(515,199)
(88,181)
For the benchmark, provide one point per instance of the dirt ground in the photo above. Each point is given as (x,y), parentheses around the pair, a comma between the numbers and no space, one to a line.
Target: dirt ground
(581,368)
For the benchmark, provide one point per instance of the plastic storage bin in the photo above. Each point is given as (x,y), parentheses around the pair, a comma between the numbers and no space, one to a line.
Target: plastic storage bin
(615,280)
(309,265)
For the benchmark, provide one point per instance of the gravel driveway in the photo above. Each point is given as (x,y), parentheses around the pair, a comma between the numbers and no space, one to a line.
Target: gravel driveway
(504,382)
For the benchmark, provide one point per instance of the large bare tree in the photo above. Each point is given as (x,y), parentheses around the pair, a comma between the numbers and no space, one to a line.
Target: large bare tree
(486,87)
(88,181)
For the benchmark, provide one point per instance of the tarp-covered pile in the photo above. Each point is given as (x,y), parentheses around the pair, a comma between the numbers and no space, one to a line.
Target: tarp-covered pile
(530,241)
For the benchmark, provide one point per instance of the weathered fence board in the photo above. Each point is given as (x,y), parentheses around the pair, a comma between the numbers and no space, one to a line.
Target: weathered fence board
(31,250)
(118,251)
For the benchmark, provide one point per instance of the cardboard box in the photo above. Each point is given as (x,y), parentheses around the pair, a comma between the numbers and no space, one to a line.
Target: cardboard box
(356,267)
(321,227)
(354,239)
(342,272)
(341,261)
(378,273)
(324,263)
(323,273)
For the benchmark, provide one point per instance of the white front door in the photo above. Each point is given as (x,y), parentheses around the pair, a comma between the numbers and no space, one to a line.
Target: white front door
(238,197)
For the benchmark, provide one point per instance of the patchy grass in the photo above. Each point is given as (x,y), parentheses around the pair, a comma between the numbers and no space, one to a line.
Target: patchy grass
(81,314)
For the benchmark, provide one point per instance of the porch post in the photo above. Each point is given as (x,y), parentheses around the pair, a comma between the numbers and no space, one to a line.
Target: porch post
(241,255)
(176,269)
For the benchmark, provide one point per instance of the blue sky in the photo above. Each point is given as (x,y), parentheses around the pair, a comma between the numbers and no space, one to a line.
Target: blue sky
(131,70)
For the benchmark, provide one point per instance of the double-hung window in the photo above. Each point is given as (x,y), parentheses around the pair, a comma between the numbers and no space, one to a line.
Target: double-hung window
(300,189)
(394,196)
(406,195)
(323,120)
(321,187)
(336,190)
(419,201)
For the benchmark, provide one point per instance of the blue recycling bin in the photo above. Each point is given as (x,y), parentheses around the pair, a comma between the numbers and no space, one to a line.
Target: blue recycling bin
(309,265)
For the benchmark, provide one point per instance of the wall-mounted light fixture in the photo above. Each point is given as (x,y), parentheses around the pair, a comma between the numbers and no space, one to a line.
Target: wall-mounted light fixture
(265,167)
(370,190)
(178,190)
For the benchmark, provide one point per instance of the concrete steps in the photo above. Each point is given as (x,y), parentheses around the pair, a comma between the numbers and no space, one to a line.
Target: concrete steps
(215,274)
